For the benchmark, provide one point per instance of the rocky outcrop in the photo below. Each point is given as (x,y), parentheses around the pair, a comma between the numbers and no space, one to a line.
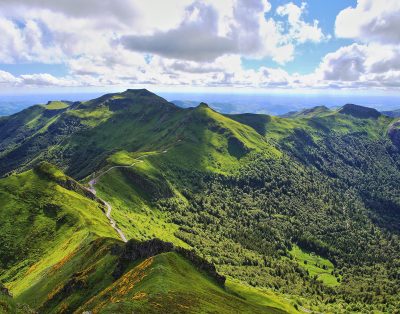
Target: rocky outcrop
(202,264)
(52,173)
(135,250)
(4,290)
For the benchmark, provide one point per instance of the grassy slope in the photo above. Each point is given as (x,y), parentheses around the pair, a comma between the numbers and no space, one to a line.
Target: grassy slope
(167,283)
(261,297)
(317,121)
(56,105)
(9,305)
(71,262)
(207,148)
(203,145)
(146,122)
(75,279)
(132,210)
(79,138)
(316,266)
(41,223)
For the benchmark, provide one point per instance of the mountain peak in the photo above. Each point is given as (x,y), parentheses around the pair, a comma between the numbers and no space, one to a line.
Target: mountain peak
(139,92)
(203,105)
(360,111)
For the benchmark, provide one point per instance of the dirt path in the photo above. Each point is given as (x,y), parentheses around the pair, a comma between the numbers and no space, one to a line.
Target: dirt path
(92,189)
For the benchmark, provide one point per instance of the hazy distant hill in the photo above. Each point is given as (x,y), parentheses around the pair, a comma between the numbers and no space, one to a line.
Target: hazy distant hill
(392,113)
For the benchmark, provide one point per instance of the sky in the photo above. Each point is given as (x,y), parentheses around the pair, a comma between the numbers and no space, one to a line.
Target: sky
(249,46)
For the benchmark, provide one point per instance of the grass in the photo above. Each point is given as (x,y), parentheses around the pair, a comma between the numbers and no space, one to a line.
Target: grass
(124,158)
(316,266)
(133,213)
(56,105)
(91,264)
(64,223)
(167,283)
(41,223)
(9,305)
(91,117)
(259,296)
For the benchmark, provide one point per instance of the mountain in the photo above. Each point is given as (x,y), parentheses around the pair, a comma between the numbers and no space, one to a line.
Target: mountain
(359,111)
(306,112)
(221,107)
(392,113)
(299,213)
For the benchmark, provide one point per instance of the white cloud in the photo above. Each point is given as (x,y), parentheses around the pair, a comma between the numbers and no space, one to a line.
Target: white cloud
(21,44)
(359,66)
(194,43)
(346,64)
(299,30)
(108,12)
(7,78)
(199,30)
(212,29)
(35,80)
(44,79)
(196,38)
(370,21)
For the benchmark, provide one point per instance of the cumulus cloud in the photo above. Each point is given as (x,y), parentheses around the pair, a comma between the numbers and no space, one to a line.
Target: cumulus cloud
(36,80)
(26,42)
(299,30)
(370,21)
(207,32)
(196,38)
(346,64)
(7,78)
(116,11)
(360,65)
(374,60)
(194,43)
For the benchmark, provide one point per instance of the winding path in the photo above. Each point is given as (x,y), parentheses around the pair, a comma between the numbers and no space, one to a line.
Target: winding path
(109,207)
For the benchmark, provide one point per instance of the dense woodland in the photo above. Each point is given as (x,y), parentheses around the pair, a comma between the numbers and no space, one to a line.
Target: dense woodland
(338,198)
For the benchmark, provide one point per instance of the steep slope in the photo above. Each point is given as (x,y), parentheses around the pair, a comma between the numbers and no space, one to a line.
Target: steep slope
(45,216)
(79,137)
(168,283)
(76,256)
(394,133)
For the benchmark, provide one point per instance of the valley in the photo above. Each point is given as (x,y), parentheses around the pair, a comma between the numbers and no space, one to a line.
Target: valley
(128,203)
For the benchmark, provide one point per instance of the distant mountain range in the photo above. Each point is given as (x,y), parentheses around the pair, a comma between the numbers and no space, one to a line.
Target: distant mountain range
(235,103)
(223,213)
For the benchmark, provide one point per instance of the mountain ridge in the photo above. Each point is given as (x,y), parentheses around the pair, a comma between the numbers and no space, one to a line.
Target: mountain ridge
(258,196)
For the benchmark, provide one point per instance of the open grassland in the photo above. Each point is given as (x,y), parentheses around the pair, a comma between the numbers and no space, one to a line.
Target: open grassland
(317,266)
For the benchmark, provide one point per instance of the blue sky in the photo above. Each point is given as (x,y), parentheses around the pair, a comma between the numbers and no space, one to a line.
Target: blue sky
(309,55)
(310,46)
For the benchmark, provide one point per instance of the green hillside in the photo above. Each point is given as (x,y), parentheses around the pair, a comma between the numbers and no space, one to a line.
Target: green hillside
(299,212)
(75,253)
(44,215)
(167,283)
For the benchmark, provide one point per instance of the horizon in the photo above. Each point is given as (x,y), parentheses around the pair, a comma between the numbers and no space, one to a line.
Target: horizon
(261,103)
